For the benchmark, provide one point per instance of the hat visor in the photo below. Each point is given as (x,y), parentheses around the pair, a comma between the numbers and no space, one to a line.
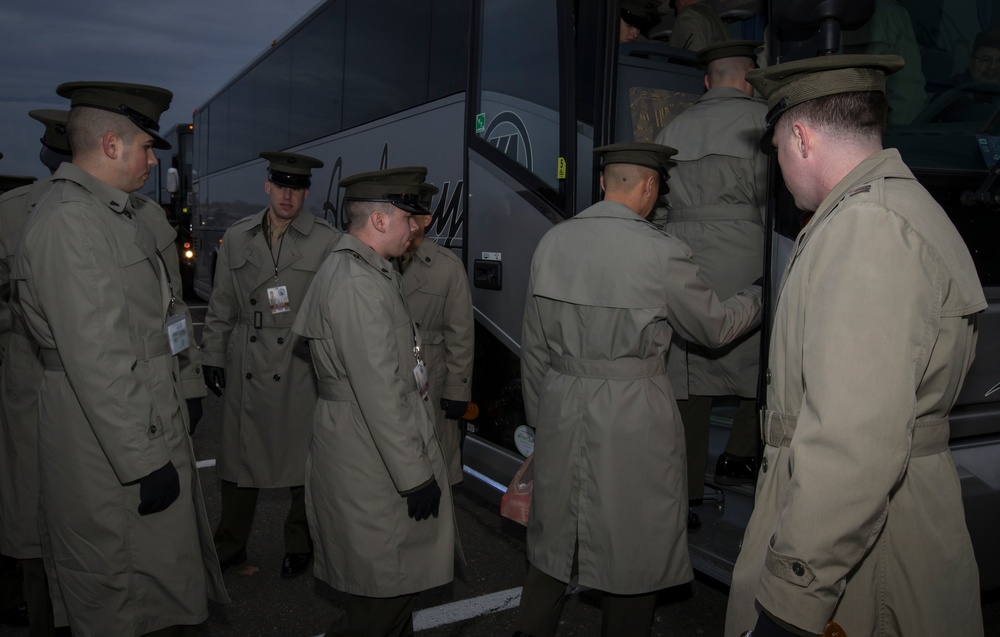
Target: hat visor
(634,20)
(158,142)
(289,180)
(767,141)
(411,207)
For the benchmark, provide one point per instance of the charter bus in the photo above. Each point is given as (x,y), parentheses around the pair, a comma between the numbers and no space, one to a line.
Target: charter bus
(170,185)
(504,101)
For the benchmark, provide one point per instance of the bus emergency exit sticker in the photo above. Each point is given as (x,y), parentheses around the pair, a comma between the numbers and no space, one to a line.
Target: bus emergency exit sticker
(561,170)
(481,122)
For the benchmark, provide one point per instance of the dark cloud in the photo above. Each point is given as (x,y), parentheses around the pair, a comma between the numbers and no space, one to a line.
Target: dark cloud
(192,47)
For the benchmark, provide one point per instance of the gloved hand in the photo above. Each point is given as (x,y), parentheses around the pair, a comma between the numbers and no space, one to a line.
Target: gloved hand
(424,502)
(215,378)
(453,409)
(159,489)
(194,413)
(766,627)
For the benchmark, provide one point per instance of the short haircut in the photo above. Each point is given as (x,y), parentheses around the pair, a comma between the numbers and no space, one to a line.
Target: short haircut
(729,70)
(625,177)
(86,127)
(858,114)
(358,212)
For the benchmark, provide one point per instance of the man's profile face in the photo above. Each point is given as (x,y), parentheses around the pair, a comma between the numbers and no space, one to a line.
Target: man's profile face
(627,32)
(399,228)
(285,202)
(137,158)
(985,65)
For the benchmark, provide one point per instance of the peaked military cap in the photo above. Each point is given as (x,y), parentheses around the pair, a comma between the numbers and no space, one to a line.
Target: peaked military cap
(140,103)
(10,182)
(729,49)
(427,192)
(655,156)
(289,169)
(640,13)
(399,186)
(54,137)
(791,83)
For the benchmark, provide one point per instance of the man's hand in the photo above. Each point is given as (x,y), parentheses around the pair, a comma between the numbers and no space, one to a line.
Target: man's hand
(194,413)
(453,409)
(159,489)
(215,378)
(424,502)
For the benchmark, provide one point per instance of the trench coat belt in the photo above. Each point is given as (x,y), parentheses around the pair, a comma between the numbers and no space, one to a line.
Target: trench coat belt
(930,436)
(145,349)
(335,390)
(266,319)
(718,212)
(618,369)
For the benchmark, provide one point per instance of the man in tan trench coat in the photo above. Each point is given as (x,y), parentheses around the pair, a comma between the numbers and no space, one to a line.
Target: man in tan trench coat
(858,512)
(384,528)
(436,289)
(607,290)
(264,268)
(697,25)
(130,542)
(716,207)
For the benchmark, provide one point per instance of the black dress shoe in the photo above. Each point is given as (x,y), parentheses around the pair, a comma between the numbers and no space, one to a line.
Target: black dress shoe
(295,564)
(694,522)
(733,470)
(235,560)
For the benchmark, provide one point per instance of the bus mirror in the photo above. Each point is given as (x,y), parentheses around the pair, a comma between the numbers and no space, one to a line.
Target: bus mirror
(173,180)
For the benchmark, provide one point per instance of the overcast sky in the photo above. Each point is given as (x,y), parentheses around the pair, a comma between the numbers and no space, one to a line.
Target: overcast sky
(191,47)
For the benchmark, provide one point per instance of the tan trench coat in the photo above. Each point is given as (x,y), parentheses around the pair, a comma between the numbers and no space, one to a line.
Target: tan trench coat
(858,512)
(607,290)
(436,289)
(22,370)
(270,389)
(372,438)
(95,298)
(716,206)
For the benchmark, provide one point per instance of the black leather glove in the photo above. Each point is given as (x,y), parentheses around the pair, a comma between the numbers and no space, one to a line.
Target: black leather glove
(424,502)
(159,489)
(453,409)
(194,413)
(766,627)
(215,379)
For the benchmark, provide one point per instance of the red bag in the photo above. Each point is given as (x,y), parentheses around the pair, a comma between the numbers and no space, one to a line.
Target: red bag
(516,503)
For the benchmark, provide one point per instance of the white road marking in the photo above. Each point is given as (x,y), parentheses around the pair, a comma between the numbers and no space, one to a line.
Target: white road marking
(204,464)
(466,609)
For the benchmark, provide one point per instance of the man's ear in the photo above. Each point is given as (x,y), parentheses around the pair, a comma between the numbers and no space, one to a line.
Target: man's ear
(111,143)
(803,139)
(378,220)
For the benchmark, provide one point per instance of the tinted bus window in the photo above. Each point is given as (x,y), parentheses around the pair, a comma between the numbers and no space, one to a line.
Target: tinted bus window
(519,80)
(240,134)
(271,100)
(317,69)
(218,118)
(449,51)
(386,58)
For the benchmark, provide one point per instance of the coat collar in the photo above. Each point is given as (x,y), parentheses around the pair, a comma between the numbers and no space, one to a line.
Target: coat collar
(115,199)
(303,223)
(885,163)
(366,253)
(611,210)
(724,92)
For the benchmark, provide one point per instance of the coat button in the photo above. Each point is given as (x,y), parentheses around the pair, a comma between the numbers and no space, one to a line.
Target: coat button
(152,429)
(253,301)
(798,570)
(281,340)
(763,465)
(768,376)
(249,375)
(253,339)
(277,377)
